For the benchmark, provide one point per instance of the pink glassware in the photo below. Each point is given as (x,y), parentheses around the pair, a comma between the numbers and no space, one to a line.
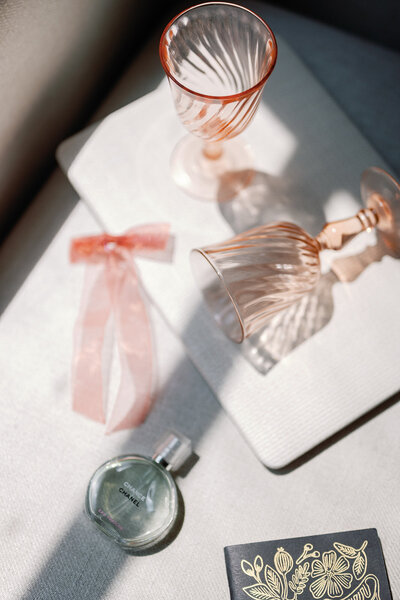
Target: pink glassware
(252,276)
(218,57)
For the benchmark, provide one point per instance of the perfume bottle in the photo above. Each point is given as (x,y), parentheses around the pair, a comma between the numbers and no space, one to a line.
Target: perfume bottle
(133,499)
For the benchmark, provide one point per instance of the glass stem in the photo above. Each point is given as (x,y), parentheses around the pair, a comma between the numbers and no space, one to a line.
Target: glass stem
(336,234)
(212,150)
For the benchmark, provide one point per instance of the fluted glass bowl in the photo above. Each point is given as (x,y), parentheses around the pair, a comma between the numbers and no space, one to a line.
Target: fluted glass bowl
(218,57)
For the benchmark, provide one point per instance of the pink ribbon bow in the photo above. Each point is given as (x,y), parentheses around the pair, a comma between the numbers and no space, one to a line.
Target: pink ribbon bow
(113,288)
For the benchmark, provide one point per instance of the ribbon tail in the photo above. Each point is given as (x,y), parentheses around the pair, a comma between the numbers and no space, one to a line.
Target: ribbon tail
(134,339)
(87,380)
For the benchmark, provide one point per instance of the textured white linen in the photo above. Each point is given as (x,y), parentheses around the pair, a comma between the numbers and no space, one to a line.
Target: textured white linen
(49,550)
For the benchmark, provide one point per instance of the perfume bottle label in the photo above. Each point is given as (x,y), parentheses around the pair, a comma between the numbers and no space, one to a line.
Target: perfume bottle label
(134,491)
(134,500)
(113,521)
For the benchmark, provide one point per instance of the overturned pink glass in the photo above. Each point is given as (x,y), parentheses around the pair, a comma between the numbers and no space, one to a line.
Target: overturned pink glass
(218,57)
(252,276)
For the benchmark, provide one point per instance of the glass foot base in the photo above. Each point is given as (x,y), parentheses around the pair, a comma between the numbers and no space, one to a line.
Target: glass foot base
(381,192)
(207,178)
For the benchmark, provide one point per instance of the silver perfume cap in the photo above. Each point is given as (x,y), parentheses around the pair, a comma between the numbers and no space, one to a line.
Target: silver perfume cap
(173,450)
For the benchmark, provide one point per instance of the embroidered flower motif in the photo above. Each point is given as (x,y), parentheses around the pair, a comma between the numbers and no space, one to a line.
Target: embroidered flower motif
(283,561)
(330,575)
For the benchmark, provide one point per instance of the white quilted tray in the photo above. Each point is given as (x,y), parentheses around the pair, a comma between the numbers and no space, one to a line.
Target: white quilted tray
(319,365)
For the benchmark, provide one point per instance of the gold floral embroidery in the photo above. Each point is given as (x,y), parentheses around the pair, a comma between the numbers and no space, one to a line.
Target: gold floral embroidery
(283,564)
(331,576)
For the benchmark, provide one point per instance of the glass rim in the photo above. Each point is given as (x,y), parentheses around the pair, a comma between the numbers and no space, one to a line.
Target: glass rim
(230,97)
(203,253)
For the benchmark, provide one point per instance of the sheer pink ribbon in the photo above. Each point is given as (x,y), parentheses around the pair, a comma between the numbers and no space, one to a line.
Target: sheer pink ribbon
(113,287)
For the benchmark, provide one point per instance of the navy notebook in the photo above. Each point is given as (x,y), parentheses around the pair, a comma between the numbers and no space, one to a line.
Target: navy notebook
(343,566)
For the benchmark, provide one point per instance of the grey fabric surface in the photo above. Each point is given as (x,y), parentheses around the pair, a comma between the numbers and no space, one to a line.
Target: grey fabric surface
(54,57)
(363,77)
(48,549)
(375,21)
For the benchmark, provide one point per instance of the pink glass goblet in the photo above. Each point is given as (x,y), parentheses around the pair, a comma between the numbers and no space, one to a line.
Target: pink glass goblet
(218,57)
(252,276)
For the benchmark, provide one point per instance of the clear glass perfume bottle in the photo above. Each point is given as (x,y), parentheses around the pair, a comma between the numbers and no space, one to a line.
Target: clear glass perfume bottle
(133,499)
